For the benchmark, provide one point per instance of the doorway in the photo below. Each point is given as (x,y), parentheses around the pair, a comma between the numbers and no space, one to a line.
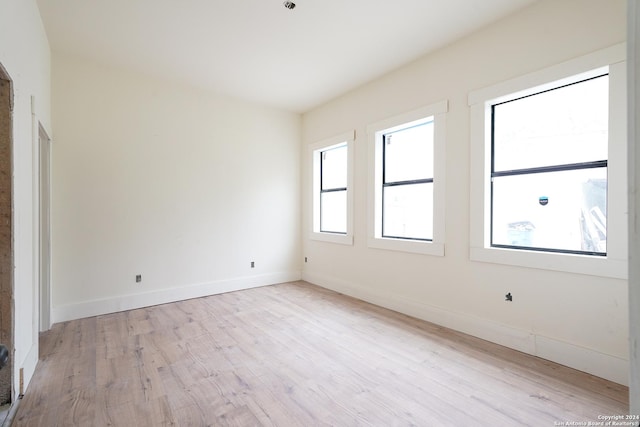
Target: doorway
(6,237)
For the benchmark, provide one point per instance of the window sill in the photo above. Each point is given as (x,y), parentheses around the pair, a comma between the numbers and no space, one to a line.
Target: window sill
(412,246)
(341,239)
(568,263)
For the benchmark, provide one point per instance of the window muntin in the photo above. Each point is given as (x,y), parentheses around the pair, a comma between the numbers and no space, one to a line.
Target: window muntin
(549,169)
(407,184)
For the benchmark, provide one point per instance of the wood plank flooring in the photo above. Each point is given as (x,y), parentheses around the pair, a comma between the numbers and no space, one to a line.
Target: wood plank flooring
(295,355)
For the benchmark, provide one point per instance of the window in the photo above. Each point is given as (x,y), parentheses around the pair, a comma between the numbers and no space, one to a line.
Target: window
(333,189)
(548,168)
(332,183)
(407,181)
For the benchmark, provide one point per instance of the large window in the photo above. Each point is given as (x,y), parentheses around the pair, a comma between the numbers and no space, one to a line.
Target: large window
(407,181)
(548,168)
(332,189)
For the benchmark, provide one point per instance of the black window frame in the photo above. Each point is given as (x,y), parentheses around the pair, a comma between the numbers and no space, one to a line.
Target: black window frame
(333,189)
(387,184)
(536,170)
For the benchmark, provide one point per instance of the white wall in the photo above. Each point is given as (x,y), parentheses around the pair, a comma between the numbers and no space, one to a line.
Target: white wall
(578,320)
(183,187)
(24,53)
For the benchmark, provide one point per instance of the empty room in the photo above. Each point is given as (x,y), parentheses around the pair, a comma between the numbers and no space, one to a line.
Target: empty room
(268,213)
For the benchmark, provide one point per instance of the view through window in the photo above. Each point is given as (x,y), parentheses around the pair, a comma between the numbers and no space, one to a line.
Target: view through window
(549,169)
(407,185)
(333,190)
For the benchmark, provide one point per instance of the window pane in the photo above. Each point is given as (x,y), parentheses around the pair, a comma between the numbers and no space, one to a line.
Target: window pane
(562,126)
(556,210)
(408,211)
(408,153)
(334,168)
(333,212)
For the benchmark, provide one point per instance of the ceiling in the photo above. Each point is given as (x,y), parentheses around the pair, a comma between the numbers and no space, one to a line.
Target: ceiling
(259,50)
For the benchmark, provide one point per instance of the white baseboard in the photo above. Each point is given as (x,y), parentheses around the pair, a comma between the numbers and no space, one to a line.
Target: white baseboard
(603,365)
(129,302)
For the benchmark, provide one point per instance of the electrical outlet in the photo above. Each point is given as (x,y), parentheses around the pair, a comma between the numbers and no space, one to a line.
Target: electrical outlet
(138,278)
(253,264)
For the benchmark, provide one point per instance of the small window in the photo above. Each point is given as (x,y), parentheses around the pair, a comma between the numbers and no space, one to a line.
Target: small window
(332,188)
(549,169)
(407,181)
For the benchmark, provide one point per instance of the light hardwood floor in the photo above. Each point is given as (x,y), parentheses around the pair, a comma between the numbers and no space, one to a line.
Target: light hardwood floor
(295,355)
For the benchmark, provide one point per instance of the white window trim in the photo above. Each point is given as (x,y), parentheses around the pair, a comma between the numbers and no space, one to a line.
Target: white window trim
(615,262)
(375,133)
(314,155)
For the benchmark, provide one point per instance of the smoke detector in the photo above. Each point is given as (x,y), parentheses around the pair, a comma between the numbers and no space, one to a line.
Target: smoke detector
(289,5)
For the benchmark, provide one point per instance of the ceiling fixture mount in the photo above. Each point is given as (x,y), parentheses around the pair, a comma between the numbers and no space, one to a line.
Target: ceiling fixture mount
(289,5)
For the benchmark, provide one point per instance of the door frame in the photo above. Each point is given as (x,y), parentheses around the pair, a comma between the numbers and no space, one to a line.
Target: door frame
(633,68)
(43,152)
(4,75)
